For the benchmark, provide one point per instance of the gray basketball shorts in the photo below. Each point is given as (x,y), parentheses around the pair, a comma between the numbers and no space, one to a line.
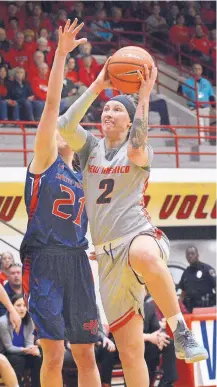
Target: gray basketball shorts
(121,289)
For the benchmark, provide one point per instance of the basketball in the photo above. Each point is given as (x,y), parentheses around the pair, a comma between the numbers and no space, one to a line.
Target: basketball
(123,67)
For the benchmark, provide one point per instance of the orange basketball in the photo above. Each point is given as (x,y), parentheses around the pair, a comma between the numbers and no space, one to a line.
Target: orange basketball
(123,66)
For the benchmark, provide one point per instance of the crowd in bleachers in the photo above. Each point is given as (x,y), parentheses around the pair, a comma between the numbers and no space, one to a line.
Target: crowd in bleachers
(29,33)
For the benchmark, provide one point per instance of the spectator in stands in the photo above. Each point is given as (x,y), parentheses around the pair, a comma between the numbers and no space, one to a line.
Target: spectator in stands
(44,22)
(158,342)
(160,106)
(198,282)
(35,24)
(198,22)
(4,43)
(157,27)
(43,33)
(21,92)
(70,92)
(13,11)
(116,23)
(7,373)
(13,29)
(39,85)
(208,14)
(179,32)
(38,59)
(87,74)
(7,260)
(7,106)
(200,44)
(97,6)
(78,12)
(205,94)
(19,347)
(172,15)
(61,18)
(72,70)
(14,284)
(48,51)
(18,55)
(96,27)
(189,16)
(86,49)
(30,43)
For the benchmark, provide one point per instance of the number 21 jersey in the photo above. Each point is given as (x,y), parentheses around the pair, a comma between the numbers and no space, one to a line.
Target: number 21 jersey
(55,207)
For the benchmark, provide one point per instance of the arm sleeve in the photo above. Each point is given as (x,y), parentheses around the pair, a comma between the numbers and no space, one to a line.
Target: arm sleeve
(83,154)
(6,337)
(212,276)
(68,123)
(181,283)
(28,335)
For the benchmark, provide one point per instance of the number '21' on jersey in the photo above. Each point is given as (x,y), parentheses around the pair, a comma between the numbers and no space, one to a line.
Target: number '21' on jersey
(56,208)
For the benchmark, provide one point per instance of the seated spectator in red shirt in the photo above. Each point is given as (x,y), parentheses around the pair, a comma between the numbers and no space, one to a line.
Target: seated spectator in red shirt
(39,86)
(42,21)
(13,29)
(86,49)
(21,92)
(208,14)
(179,33)
(4,43)
(43,33)
(86,73)
(48,51)
(72,70)
(38,59)
(61,18)
(13,11)
(199,44)
(198,22)
(7,260)
(18,55)
(7,106)
(30,43)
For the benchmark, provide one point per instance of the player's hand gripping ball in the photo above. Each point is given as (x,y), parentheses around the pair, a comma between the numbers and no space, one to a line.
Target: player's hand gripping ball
(123,67)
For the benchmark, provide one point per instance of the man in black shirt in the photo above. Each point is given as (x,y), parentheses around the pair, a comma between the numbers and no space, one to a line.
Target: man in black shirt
(198,282)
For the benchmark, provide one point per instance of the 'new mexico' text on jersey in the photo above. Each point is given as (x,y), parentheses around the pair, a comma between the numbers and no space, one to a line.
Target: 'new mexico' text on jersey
(114,192)
(55,207)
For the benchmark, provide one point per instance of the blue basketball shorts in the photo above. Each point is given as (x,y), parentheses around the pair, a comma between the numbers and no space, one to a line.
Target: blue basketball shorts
(61,294)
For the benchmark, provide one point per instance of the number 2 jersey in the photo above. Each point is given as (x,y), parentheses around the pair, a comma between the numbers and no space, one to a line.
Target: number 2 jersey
(114,190)
(55,206)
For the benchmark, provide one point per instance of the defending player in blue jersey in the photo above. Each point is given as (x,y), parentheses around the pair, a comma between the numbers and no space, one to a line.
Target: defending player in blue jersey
(57,275)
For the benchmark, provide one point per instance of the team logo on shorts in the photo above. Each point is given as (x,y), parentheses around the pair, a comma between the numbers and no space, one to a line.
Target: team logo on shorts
(91,326)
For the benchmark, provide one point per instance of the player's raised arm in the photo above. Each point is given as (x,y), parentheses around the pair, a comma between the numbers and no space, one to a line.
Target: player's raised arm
(45,148)
(68,123)
(138,151)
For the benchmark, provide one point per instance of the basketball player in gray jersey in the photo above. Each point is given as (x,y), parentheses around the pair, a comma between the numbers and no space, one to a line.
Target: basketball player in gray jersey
(130,251)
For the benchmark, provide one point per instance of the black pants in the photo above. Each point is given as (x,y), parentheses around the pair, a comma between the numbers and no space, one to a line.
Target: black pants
(105,358)
(160,106)
(107,361)
(152,356)
(22,362)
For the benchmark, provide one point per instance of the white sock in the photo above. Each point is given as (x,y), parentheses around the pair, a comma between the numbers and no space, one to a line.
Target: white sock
(173,321)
